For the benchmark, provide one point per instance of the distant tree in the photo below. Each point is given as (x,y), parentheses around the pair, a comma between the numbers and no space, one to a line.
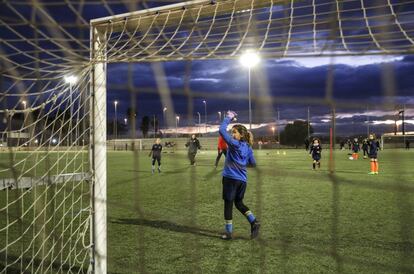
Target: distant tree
(145,125)
(295,133)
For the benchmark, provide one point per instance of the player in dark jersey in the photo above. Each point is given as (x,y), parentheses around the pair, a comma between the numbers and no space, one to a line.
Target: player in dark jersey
(373,154)
(156,155)
(193,146)
(316,153)
(355,149)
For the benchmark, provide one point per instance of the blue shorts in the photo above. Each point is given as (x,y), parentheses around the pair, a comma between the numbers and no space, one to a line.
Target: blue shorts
(373,156)
(316,157)
(233,190)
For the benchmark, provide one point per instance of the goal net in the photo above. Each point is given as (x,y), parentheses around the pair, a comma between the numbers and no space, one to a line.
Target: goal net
(54,107)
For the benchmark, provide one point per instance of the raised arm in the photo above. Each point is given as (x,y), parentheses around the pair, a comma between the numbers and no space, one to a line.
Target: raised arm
(223,132)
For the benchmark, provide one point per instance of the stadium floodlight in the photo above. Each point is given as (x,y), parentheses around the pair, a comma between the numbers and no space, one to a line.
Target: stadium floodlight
(249,60)
(219,113)
(71,79)
(24,104)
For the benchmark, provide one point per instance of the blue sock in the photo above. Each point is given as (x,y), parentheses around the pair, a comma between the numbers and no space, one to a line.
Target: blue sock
(250,217)
(229,226)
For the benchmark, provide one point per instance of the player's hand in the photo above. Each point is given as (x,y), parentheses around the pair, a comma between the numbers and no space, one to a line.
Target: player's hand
(232,115)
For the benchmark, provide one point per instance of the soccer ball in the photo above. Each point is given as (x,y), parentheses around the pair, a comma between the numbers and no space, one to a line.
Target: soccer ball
(351,158)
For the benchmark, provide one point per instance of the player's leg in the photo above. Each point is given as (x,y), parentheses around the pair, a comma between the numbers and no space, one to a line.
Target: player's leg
(159,164)
(191,156)
(218,157)
(228,198)
(238,202)
(153,165)
(314,164)
(372,163)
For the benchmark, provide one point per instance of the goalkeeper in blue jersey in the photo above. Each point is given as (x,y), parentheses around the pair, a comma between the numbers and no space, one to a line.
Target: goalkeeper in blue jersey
(239,156)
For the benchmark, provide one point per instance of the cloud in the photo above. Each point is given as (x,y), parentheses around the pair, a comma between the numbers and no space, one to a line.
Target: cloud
(351,61)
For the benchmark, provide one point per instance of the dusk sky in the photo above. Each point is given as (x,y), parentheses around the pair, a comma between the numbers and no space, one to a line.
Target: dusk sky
(372,87)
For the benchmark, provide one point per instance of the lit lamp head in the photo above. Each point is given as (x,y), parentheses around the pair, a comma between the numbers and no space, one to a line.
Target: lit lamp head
(249,59)
(71,79)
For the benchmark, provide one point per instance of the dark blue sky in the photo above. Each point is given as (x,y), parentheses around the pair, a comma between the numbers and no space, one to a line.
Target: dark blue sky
(293,85)
(361,85)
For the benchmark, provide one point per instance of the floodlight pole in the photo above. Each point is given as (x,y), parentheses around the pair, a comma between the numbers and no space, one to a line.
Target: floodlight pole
(250,101)
(278,125)
(205,115)
(308,123)
(98,152)
(199,122)
(367,122)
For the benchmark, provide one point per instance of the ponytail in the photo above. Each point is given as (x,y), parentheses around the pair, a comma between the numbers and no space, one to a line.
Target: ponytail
(246,135)
(249,137)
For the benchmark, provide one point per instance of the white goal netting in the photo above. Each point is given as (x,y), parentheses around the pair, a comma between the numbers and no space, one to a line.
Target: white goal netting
(50,77)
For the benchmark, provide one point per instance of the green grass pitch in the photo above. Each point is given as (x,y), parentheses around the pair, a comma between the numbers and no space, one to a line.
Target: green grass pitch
(312,221)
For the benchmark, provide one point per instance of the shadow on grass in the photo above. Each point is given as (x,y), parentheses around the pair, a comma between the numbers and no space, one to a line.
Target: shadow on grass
(170,226)
(148,171)
(38,264)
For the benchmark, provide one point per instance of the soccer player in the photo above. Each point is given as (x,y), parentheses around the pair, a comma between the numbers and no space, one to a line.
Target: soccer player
(156,155)
(221,149)
(316,153)
(193,145)
(373,154)
(239,155)
(365,147)
(355,149)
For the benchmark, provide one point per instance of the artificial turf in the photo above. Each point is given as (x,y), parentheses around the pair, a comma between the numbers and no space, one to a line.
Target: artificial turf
(312,221)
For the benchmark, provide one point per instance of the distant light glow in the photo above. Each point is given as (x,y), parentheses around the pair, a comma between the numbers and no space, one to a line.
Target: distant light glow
(71,79)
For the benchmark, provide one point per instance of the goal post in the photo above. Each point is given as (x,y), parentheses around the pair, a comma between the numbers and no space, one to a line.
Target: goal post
(98,151)
(206,29)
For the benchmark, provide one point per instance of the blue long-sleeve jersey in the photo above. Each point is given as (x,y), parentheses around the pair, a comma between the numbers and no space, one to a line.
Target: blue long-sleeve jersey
(239,155)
